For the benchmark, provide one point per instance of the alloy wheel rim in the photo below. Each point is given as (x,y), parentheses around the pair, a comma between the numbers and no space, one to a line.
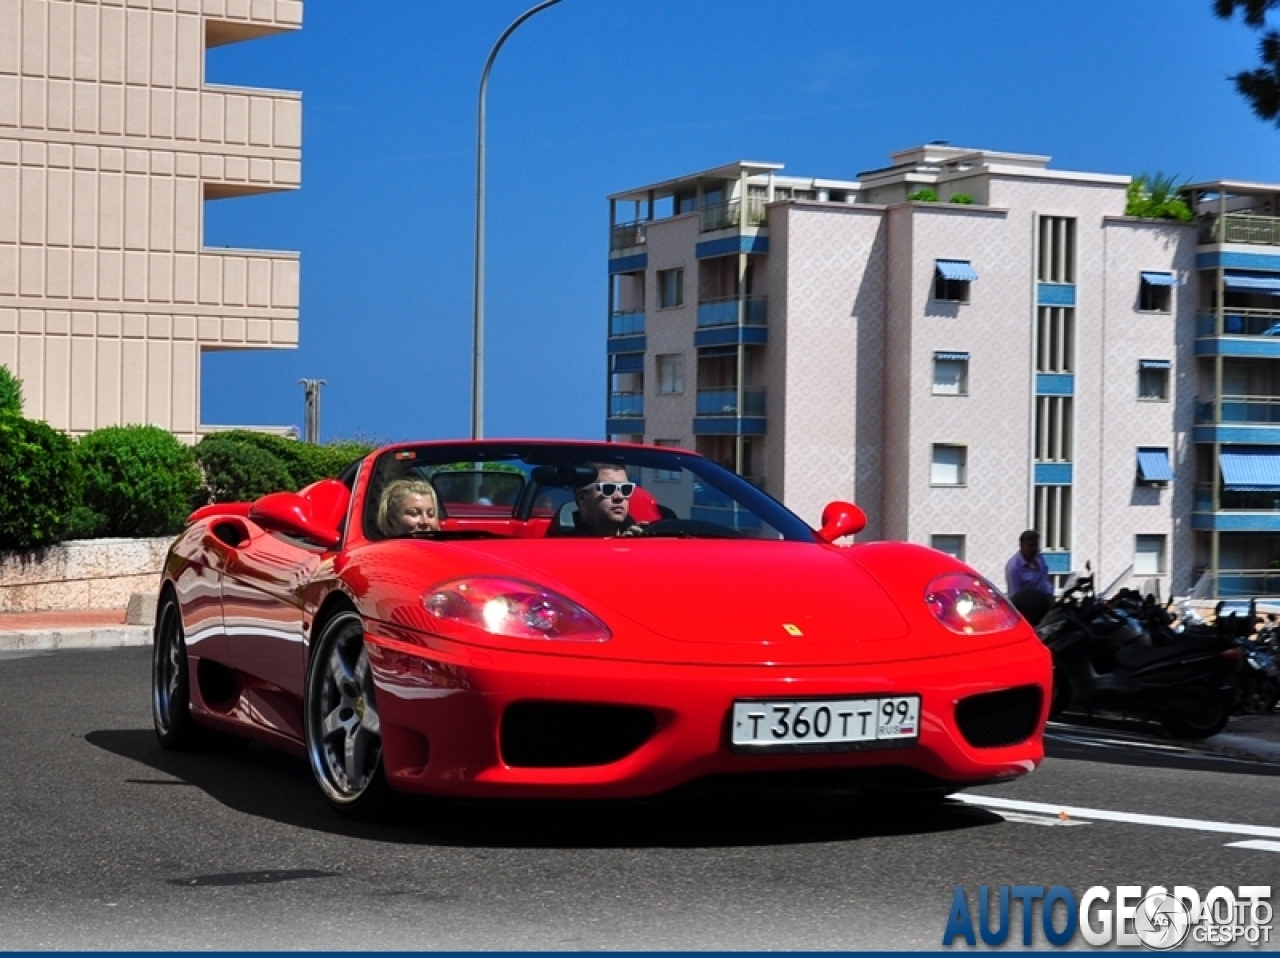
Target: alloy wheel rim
(348,729)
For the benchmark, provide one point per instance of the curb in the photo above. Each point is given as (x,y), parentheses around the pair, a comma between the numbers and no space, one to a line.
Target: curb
(97,637)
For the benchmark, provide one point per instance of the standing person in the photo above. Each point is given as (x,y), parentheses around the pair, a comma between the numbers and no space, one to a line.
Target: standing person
(1026,576)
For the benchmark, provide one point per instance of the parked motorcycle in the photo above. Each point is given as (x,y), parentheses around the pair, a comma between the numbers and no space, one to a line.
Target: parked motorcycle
(1259,678)
(1131,655)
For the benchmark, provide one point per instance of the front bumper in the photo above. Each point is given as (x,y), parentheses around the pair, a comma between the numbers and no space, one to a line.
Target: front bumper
(442,710)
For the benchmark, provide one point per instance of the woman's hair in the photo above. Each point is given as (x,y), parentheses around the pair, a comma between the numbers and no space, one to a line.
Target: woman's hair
(395,493)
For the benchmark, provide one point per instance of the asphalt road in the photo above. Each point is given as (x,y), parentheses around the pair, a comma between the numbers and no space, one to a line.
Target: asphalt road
(107,842)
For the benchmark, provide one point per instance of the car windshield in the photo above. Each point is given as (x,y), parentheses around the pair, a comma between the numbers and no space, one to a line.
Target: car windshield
(525,490)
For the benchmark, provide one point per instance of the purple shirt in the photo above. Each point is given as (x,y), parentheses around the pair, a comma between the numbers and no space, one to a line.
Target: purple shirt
(1019,574)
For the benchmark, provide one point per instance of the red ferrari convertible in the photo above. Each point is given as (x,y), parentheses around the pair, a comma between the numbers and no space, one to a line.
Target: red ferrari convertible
(572,619)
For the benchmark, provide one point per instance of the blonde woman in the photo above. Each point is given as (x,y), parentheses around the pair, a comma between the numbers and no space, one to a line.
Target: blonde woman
(408,505)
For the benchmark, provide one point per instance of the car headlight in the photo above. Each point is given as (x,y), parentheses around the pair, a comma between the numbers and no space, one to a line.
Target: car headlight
(512,608)
(968,604)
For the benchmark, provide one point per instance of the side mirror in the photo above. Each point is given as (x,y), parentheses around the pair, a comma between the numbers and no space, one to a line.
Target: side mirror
(841,519)
(290,513)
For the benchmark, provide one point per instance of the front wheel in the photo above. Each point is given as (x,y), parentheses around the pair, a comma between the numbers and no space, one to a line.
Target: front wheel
(1196,718)
(344,734)
(171,679)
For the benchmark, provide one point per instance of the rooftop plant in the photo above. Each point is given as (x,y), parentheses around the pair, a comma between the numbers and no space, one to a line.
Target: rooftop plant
(1156,197)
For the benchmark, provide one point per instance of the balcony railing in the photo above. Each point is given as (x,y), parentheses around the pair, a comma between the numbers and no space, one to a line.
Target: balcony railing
(1232,500)
(1241,322)
(626,235)
(720,216)
(626,405)
(1242,228)
(724,312)
(1250,583)
(1247,409)
(724,402)
(627,322)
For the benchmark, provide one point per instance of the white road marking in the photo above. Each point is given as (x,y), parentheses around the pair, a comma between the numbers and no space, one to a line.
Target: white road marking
(1132,818)
(1257,844)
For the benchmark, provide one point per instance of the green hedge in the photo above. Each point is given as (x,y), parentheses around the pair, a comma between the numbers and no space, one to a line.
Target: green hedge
(268,463)
(10,392)
(42,482)
(138,481)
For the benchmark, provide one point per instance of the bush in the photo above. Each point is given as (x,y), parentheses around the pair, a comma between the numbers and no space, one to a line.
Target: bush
(42,482)
(236,471)
(925,195)
(1157,197)
(304,461)
(10,393)
(964,199)
(138,481)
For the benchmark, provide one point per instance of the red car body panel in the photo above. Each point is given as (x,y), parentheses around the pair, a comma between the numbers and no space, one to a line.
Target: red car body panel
(694,624)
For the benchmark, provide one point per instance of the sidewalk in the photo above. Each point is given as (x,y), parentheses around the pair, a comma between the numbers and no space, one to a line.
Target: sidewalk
(39,631)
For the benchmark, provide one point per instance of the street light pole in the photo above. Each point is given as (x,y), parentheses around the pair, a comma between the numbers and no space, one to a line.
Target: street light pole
(477,333)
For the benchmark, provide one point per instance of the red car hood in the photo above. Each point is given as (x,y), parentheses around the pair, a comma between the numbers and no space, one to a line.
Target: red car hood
(741,593)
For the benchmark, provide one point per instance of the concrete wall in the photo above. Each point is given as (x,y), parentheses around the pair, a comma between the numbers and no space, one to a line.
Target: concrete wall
(81,574)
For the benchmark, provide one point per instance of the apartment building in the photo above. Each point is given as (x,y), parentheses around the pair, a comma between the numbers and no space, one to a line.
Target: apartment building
(967,343)
(111,143)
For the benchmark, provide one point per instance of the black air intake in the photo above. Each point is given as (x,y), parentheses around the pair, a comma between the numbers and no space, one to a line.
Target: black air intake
(993,719)
(572,734)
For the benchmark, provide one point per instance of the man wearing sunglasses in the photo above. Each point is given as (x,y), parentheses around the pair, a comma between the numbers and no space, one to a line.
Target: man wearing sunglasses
(602,505)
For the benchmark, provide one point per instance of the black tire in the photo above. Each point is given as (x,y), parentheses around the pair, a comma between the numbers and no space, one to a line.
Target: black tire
(171,679)
(1196,718)
(344,736)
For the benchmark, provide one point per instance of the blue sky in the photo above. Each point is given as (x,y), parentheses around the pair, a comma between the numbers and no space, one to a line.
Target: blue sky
(591,97)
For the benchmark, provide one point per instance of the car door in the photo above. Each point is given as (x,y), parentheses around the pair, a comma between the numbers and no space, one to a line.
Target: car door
(264,610)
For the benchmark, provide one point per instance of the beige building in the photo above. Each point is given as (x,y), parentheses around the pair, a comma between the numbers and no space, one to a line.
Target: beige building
(111,142)
(1005,350)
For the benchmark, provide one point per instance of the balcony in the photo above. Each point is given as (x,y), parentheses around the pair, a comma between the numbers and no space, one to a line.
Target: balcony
(1240,322)
(724,402)
(1259,410)
(724,312)
(721,216)
(626,322)
(626,405)
(626,236)
(1234,500)
(1241,228)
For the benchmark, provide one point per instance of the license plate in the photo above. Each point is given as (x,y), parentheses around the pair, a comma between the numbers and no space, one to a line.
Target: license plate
(807,725)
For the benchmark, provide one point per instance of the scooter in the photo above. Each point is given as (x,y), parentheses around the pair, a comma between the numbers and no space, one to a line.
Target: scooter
(1129,656)
(1259,673)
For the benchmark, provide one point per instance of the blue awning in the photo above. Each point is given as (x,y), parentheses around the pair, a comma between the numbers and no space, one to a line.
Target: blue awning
(953,357)
(1250,469)
(1152,278)
(957,269)
(1267,282)
(1155,363)
(1154,465)
(628,362)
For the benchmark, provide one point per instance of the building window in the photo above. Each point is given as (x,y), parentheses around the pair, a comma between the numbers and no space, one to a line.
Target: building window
(951,374)
(1053,517)
(1057,249)
(1154,467)
(1153,379)
(671,373)
(952,545)
(670,288)
(1148,555)
(1055,339)
(951,280)
(1053,437)
(1155,291)
(949,465)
